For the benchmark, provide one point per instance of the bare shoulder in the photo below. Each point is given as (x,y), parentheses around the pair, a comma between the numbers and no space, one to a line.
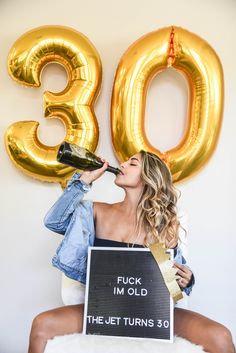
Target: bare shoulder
(100,207)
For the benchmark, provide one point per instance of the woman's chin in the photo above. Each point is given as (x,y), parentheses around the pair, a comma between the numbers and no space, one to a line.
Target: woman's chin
(118,182)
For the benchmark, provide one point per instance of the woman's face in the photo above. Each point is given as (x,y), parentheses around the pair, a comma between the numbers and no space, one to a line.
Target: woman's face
(131,173)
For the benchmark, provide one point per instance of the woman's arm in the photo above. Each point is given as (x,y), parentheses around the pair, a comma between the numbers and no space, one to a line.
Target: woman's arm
(186,280)
(58,217)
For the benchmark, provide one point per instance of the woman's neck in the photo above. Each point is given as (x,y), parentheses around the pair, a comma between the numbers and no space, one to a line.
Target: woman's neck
(130,202)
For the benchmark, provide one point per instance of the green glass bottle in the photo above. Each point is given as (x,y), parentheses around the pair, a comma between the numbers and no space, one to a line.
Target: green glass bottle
(81,158)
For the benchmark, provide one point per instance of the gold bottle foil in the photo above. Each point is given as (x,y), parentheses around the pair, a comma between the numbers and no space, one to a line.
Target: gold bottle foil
(167,270)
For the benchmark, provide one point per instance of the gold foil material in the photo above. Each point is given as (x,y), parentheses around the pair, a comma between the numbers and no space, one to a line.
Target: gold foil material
(167,270)
(172,48)
(74,106)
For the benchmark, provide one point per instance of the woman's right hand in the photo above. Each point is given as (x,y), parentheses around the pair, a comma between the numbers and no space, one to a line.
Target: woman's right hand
(90,176)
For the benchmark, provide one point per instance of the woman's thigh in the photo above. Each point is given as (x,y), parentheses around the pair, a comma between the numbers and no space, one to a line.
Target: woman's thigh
(60,321)
(198,329)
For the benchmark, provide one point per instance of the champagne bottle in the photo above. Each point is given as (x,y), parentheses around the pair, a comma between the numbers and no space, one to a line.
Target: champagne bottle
(80,158)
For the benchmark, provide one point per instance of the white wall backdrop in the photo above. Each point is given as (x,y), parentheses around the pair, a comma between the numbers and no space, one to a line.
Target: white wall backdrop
(29,284)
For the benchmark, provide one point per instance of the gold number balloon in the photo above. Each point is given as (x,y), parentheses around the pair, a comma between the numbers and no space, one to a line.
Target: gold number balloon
(148,56)
(74,105)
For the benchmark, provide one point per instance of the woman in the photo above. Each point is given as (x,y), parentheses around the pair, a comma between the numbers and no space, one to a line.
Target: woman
(145,216)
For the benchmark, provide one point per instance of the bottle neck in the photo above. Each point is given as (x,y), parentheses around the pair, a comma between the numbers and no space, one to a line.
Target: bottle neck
(113,170)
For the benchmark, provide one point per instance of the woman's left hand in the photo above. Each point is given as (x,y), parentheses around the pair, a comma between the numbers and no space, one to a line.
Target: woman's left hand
(185,275)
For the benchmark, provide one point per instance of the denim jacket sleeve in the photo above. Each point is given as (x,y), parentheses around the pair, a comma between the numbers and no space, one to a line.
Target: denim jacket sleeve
(58,217)
(181,260)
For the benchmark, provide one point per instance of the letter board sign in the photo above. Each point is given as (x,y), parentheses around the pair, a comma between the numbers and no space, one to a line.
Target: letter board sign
(126,295)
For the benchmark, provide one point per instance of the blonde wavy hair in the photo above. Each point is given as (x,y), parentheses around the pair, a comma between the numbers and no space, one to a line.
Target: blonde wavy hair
(156,210)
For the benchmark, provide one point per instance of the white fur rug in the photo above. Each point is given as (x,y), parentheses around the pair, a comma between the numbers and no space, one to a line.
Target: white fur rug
(75,343)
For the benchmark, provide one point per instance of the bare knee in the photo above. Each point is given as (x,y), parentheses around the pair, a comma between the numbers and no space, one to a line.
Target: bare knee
(42,326)
(221,339)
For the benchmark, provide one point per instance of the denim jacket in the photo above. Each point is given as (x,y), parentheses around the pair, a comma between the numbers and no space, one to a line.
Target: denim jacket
(72,217)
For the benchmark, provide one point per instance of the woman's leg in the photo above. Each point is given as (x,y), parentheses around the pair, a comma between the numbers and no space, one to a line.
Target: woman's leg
(198,329)
(60,321)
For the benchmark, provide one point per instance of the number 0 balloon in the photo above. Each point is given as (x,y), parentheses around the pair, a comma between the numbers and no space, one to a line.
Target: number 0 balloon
(190,55)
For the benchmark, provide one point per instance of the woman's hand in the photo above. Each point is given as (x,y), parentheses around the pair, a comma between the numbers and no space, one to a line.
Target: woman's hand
(185,275)
(89,176)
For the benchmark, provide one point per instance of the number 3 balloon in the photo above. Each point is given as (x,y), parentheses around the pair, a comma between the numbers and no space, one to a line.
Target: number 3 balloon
(186,52)
(74,106)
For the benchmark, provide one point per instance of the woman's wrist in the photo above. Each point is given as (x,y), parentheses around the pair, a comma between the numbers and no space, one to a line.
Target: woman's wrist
(86,179)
